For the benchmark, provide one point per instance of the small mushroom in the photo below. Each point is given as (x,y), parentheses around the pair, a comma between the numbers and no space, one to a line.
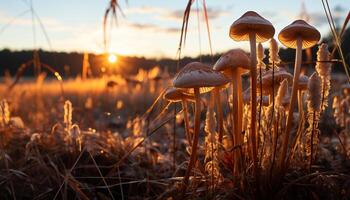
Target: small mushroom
(272,79)
(246,98)
(253,28)
(302,83)
(233,64)
(174,95)
(298,35)
(302,86)
(196,78)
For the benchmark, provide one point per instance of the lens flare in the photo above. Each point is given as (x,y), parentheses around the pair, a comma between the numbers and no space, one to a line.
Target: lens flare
(112,58)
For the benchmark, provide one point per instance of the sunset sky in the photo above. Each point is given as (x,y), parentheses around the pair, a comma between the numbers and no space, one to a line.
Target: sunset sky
(151,28)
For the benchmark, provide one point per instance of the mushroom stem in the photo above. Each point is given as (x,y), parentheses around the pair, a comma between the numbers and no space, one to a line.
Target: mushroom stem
(235,127)
(260,107)
(252,40)
(298,59)
(195,138)
(174,139)
(187,124)
(240,106)
(219,110)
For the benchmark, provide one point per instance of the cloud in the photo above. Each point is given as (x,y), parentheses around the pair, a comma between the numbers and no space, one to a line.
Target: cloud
(25,20)
(316,18)
(320,19)
(213,13)
(174,15)
(145,10)
(151,27)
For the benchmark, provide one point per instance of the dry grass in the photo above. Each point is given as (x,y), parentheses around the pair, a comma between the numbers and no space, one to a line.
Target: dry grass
(47,159)
(96,139)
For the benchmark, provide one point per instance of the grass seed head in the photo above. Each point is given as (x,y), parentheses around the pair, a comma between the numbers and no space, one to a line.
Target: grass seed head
(274,57)
(281,93)
(68,109)
(314,91)
(4,113)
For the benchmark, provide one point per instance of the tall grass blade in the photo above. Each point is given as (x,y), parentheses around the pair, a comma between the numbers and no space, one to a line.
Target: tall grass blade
(328,13)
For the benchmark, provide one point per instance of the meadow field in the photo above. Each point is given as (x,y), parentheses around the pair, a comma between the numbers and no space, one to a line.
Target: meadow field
(248,125)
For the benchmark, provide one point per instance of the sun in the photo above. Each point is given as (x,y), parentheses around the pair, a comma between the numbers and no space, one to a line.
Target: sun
(112,58)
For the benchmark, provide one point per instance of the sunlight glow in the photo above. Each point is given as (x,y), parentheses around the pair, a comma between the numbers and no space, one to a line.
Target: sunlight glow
(112,58)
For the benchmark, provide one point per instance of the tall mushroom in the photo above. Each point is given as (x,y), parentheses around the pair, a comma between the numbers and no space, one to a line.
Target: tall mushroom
(253,28)
(298,35)
(233,64)
(196,78)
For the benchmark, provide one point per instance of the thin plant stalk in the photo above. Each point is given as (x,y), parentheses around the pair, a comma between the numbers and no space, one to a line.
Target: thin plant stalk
(236,127)
(272,98)
(300,104)
(187,124)
(295,142)
(275,139)
(298,59)
(312,140)
(174,139)
(273,91)
(193,156)
(261,102)
(220,116)
(240,106)
(230,114)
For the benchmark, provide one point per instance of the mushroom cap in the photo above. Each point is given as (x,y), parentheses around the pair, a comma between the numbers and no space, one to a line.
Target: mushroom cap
(246,98)
(303,81)
(233,59)
(198,75)
(279,76)
(251,22)
(299,28)
(174,95)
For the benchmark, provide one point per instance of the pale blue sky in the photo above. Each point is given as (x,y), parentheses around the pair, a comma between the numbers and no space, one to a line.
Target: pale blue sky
(151,27)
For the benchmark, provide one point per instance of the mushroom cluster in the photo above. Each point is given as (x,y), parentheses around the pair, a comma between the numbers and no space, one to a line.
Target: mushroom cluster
(259,122)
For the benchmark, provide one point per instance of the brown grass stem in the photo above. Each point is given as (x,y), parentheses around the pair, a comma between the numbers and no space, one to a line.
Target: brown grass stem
(219,111)
(195,139)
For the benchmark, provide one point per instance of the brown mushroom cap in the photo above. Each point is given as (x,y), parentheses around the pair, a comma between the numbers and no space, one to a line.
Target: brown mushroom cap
(279,76)
(251,22)
(174,95)
(198,75)
(233,59)
(299,28)
(303,81)
(246,98)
